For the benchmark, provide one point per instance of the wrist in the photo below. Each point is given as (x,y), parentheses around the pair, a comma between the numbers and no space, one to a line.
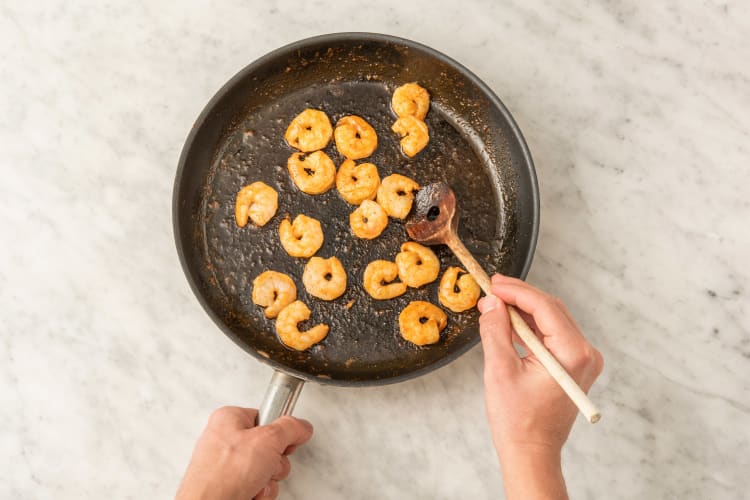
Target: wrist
(539,450)
(532,470)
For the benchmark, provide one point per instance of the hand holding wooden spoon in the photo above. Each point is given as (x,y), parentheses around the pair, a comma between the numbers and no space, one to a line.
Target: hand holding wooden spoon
(436,222)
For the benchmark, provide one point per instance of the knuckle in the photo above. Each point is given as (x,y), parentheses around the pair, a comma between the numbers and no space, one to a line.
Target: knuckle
(220,415)
(552,301)
(286,421)
(485,321)
(579,359)
(270,434)
(587,358)
(284,469)
(598,362)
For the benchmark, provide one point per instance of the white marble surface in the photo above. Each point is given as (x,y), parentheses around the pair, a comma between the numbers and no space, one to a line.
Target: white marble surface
(638,118)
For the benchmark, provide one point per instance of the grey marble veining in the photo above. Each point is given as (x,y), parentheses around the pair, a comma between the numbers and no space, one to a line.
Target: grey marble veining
(638,120)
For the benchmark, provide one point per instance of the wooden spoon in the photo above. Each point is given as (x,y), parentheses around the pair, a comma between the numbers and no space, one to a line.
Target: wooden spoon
(435,222)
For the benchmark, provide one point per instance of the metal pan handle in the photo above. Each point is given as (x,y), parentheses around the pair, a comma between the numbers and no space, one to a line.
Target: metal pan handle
(281,395)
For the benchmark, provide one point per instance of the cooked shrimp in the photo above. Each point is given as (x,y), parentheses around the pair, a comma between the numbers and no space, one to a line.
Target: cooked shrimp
(312,173)
(411,100)
(368,220)
(289,333)
(355,138)
(357,183)
(324,278)
(414,134)
(259,201)
(396,194)
(301,238)
(274,291)
(309,131)
(417,264)
(421,322)
(458,293)
(378,280)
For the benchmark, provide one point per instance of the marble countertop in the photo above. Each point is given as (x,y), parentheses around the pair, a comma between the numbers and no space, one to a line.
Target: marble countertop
(638,118)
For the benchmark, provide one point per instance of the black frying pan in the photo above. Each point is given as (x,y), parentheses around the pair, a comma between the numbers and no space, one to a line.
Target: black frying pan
(475,146)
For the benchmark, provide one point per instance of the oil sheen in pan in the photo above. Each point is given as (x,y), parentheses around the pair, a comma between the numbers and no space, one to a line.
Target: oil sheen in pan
(366,334)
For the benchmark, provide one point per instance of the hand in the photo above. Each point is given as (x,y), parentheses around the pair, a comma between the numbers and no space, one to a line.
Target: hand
(234,459)
(529,415)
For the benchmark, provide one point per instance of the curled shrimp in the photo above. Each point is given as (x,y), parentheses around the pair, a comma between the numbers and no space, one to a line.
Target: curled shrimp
(289,333)
(357,183)
(274,291)
(396,195)
(324,278)
(368,220)
(378,280)
(411,100)
(458,293)
(417,264)
(355,138)
(309,131)
(258,201)
(312,173)
(301,238)
(414,134)
(421,322)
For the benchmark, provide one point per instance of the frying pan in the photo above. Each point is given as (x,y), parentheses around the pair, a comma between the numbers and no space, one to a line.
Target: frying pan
(475,146)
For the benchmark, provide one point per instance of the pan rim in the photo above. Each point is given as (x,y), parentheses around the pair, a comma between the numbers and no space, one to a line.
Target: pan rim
(288,49)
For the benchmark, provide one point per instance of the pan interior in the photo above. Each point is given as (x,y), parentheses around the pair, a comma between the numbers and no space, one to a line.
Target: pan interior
(364,343)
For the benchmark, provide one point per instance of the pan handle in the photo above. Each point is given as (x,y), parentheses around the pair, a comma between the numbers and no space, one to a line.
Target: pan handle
(281,395)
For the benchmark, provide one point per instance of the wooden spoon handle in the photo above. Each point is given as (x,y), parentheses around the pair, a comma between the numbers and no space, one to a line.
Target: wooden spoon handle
(555,369)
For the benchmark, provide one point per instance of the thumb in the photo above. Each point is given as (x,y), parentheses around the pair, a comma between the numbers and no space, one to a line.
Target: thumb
(289,431)
(496,333)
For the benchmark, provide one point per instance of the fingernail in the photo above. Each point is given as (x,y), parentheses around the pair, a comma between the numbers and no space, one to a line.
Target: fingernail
(488,303)
(267,491)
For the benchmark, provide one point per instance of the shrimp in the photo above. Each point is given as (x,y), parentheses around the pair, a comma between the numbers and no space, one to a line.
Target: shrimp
(417,264)
(414,134)
(421,322)
(411,100)
(458,293)
(396,195)
(368,221)
(312,173)
(309,131)
(357,183)
(355,138)
(301,238)
(259,201)
(274,291)
(378,280)
(289,333)
(324,278)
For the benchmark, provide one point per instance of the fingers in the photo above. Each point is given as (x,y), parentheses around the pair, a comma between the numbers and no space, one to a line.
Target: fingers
(501,280)
(525,298)
(552,321)
(288,431)
(233,417)
(270,491)
(284,468)
(495,330)
(547,311)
